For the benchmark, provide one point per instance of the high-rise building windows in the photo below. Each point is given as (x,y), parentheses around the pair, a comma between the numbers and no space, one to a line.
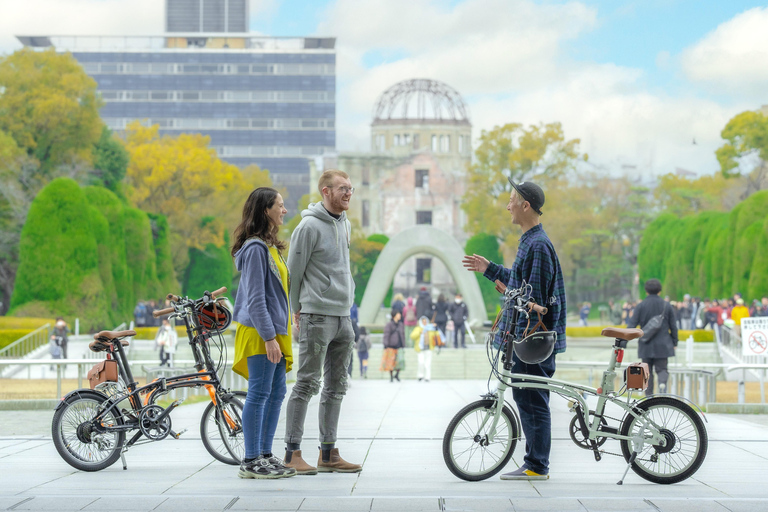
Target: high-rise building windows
(434,144)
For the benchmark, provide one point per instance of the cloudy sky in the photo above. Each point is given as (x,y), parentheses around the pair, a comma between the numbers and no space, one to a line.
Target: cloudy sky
(636,81)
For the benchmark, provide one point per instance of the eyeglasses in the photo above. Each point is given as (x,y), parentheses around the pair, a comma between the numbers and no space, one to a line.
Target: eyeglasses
(347,190)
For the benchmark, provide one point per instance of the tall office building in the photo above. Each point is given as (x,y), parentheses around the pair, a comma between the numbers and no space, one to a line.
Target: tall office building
(206,16)
(261,100)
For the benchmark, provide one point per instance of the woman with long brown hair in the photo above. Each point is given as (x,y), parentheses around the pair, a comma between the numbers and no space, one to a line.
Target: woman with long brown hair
(263,352)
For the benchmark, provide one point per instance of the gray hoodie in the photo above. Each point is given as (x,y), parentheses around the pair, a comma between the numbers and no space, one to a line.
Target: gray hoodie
(321,282)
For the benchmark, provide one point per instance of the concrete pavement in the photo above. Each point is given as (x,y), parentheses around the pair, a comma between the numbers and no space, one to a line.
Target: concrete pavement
(395,430)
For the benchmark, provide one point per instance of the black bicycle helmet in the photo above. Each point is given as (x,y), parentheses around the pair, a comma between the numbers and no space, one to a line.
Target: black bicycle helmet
(214,317)
(537,347)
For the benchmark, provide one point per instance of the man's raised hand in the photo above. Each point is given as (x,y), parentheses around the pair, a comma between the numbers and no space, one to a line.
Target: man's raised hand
(475,263)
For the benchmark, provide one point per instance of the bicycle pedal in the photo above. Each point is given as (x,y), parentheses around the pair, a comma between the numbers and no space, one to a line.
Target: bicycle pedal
(177,435)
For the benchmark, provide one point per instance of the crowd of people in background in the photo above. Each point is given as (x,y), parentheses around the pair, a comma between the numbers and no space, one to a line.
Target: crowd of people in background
(690,313)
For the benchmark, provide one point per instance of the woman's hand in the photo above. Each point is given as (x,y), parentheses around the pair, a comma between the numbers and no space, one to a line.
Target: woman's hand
(475,263)
(273,351)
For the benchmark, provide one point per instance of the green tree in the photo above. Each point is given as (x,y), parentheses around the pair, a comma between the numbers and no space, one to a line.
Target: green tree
(110,162)
(487,246)
(210,268)
(512,151)
(49,106)
(59,271)
(363,253)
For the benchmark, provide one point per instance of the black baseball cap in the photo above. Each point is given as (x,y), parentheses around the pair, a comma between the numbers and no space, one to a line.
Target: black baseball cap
(531,192)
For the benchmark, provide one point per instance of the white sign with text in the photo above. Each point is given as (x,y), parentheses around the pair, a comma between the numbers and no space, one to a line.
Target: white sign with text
(754,336)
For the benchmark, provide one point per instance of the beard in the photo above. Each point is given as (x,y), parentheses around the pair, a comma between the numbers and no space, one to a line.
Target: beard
(338,205)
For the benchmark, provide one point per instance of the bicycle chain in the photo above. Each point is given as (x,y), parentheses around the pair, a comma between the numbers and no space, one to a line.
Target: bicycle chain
(604,452)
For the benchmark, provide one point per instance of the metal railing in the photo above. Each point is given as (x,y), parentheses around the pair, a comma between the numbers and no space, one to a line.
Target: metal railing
(228,378)
(27,343)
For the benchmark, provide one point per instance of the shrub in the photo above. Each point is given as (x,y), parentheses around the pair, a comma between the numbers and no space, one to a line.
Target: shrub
(8,336)
(487,246)
(59,258)
(209,269)
(15,322)
(699,335)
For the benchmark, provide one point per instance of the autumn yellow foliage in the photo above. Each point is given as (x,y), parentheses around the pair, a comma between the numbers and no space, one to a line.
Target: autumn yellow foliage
(183,179)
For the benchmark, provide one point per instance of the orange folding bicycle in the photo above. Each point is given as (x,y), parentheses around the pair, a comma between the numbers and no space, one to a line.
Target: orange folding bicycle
(90,426)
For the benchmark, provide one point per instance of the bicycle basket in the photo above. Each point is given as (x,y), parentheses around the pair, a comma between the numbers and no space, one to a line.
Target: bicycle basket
(537,347)
(213,317)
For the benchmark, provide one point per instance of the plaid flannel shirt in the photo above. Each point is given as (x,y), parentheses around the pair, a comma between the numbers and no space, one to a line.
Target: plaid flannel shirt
(537,264)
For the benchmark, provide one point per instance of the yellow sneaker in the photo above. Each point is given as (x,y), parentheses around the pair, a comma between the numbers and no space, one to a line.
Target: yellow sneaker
(524,473)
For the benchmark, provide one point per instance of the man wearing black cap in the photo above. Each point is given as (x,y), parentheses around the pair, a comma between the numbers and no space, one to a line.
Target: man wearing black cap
(536,264)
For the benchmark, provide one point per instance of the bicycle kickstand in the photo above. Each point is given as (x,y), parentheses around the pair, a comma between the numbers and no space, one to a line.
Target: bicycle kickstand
(629,465)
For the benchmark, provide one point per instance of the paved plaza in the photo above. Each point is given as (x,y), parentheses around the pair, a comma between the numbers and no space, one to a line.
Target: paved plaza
(395,431)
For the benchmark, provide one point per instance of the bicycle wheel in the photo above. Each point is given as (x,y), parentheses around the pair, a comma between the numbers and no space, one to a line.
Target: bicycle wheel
(686,437)
(77,440)
(221,429)
(466,449)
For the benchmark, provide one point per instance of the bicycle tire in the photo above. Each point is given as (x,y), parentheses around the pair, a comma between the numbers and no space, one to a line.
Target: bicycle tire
(74,439)
(227,445)
(682,425)
(462,442)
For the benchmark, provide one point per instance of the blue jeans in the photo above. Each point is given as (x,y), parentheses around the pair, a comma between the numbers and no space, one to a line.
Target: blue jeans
(261,411)
(535,417)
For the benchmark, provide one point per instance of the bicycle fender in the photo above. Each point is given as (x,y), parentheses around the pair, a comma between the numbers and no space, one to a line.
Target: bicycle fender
(80,392)
(684,400)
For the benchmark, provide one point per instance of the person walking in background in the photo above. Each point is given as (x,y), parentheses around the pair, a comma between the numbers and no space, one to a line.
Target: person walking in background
(263,351)
(322,293)
(363,346)
(424,343)
(584,314)
(763,306)
(459,313)
(166,340)
(398,303)
(614,312)
(424,305)
(739,311)
(393,359)
(409,317)
(450,333)
(655,348)
(440,316)
(61,332)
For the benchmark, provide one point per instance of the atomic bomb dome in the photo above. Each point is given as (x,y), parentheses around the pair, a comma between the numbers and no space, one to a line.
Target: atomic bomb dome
(420,100)
(419,115)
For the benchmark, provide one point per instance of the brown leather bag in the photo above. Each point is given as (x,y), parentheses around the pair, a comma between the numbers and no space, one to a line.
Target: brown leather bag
(636,376)
(105,371)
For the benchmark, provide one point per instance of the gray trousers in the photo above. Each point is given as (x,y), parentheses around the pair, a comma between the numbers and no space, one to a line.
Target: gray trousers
(325,346)
(660,365)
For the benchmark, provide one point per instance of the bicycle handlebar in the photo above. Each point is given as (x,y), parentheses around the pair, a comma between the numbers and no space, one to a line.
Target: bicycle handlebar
(532,306)
(220,291)
(162,312)
(173,298)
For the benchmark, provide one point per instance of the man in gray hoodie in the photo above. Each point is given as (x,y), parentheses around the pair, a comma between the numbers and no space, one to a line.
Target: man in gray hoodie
(322,292)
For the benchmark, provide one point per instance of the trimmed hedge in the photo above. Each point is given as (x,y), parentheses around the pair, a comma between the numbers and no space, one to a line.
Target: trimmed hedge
(699,335)
(14,322)
(149,333)
(8,336)
(711,254)
(83,254)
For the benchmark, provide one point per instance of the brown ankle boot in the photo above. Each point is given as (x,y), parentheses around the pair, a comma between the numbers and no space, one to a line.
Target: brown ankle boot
(337,464)
(299,464)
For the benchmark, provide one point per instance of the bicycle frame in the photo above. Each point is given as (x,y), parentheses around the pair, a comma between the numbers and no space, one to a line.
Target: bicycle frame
(575,392)
(205,376)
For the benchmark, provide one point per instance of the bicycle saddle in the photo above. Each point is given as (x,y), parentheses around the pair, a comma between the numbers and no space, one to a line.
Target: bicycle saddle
(622,334)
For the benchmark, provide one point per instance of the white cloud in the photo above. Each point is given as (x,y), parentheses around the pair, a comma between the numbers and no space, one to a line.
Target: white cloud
(77,17)
(733,58)
(507,59)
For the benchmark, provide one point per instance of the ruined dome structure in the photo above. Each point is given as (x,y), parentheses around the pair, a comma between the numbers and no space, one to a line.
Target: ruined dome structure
(420,101)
